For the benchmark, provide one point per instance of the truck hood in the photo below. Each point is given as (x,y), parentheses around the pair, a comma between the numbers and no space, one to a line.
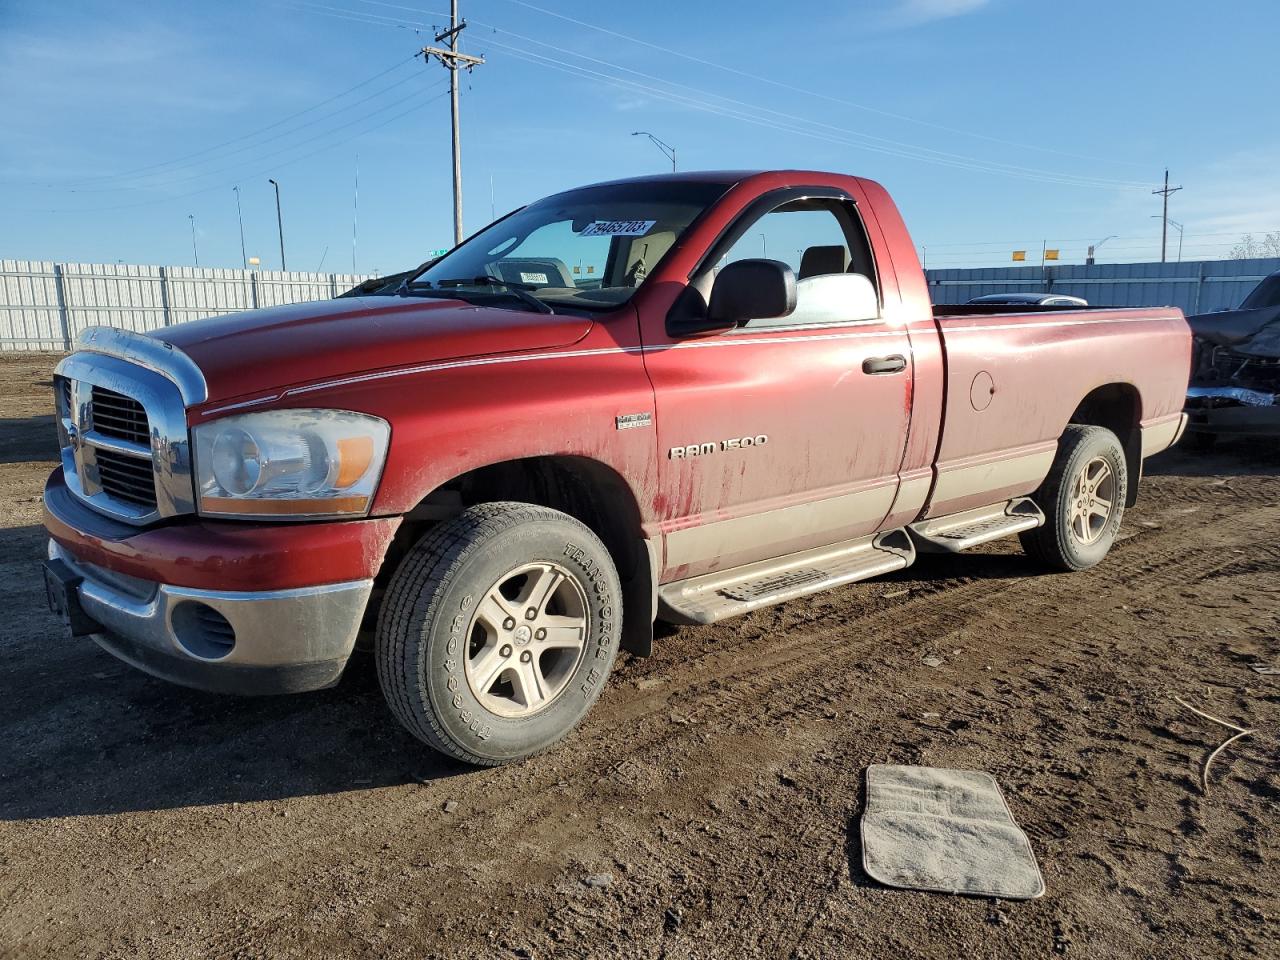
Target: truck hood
(265,350)
(1253,333)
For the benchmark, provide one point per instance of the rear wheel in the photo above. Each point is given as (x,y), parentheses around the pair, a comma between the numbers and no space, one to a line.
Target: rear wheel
(1083,500)
(498,632)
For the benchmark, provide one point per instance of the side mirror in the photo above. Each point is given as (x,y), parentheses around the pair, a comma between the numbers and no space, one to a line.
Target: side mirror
(751,290)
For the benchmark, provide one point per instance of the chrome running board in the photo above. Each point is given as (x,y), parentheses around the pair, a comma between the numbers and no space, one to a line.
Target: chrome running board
(960,531)
(729,593)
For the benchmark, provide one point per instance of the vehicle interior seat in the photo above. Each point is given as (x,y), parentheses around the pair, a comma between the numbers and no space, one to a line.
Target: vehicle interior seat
(818,261)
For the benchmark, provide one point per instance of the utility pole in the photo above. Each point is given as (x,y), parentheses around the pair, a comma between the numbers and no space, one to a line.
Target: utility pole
(1164,218)
(453,61)
(279,223)
(244,261)
(666,148)
(355,215)
(194,252)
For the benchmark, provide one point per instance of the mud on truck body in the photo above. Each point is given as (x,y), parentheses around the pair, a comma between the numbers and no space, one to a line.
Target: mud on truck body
(678,398)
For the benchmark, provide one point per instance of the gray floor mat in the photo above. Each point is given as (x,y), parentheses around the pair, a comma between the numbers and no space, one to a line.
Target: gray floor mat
(948,831)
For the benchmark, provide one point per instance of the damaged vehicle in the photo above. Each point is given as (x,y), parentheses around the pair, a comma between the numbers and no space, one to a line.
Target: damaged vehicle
(1235,374)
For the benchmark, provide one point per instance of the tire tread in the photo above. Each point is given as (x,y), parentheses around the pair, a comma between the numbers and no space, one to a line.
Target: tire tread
(413,597)
(1046,544)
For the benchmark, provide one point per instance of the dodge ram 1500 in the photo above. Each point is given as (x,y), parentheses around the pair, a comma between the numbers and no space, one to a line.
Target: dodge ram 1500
(674,398)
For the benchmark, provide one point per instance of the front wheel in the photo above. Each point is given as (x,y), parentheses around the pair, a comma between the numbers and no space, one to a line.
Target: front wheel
(1083,500)
(498,632)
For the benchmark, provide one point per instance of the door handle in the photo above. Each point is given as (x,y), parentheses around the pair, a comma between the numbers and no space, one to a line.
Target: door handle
(876,366)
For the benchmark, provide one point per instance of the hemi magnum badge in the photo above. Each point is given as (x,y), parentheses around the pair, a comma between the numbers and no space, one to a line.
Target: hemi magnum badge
(629,421)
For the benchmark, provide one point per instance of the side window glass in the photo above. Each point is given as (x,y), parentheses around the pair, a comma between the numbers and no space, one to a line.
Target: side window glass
(824,246)
(788,235)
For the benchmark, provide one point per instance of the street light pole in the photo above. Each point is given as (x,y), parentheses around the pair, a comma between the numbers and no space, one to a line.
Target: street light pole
(194,252)
(1177,226)
(666,148)
(244,261)
(279,223)
(1093,248)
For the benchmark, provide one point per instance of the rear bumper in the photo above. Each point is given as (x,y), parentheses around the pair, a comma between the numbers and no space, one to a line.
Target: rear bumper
(253,642)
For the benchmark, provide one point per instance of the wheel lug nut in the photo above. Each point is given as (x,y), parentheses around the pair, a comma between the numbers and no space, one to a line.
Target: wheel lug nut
(506,650)
(531,614)
(540,634)
(508,624)
(526,657)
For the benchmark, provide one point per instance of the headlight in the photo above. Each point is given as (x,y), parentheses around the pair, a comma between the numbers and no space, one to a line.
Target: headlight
(289,463)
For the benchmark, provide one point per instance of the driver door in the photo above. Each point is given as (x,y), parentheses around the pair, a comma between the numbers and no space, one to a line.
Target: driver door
(787,433)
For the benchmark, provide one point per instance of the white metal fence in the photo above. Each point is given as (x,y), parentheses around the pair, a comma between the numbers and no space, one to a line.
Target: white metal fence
(45,305)
(1197,286)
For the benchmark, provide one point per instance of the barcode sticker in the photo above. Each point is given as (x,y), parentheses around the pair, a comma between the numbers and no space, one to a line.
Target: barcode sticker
(618,228)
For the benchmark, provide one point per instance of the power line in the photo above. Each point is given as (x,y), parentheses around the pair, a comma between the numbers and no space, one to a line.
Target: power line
(238,164)
(787,86)
(276,166)
(892,148)
(791,126)
(261,143)
(252,133)
(1024,240)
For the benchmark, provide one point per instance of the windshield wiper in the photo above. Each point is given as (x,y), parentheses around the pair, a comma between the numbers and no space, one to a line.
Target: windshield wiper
(518,290)
(417,288)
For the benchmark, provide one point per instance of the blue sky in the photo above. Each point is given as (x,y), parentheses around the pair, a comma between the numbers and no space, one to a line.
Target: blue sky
(996,124)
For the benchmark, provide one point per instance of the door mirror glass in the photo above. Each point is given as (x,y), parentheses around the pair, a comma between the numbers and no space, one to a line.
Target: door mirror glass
(752,290)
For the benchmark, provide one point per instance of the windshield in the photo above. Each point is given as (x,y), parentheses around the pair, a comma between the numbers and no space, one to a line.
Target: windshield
(589,249)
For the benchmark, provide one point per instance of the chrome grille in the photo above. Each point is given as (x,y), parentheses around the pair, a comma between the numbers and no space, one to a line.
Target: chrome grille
(126,478)
(123,400)
(122,426)
(116,415)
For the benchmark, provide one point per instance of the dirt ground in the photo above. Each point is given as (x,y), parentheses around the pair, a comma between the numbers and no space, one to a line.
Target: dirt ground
(712,798)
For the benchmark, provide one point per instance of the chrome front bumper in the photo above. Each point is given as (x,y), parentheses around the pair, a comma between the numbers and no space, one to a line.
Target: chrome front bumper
(275,641)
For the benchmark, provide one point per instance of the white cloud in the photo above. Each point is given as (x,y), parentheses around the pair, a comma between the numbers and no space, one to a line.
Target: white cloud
(924,11)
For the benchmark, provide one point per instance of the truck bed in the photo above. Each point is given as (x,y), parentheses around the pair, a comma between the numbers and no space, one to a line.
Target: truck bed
(941,310)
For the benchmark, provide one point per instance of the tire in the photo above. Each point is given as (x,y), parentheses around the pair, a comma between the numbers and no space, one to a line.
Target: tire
(475,645)
(1069,540)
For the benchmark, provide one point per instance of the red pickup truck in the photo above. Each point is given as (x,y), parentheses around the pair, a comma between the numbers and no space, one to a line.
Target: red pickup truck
(677,398)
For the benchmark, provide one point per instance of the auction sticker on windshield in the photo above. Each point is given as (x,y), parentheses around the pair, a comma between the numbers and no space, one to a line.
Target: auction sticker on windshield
(618,228)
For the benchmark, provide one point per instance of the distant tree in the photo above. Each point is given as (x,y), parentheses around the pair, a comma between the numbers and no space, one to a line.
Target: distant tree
(1250,246)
